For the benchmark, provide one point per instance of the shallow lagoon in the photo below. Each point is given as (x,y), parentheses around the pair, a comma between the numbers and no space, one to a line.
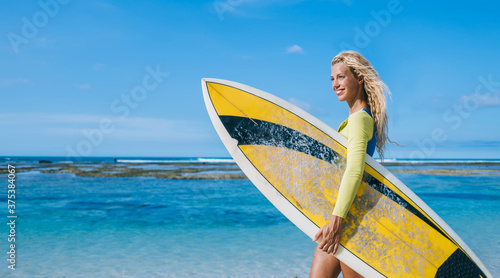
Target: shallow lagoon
(78,226)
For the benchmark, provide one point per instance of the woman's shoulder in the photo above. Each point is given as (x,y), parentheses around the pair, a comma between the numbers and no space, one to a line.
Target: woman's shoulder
(361,115)
(360,122)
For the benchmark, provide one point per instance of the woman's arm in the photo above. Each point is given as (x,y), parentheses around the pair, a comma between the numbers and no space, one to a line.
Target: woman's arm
(360,131)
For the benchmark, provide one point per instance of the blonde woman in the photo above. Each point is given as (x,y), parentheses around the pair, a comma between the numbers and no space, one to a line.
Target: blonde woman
(356,82)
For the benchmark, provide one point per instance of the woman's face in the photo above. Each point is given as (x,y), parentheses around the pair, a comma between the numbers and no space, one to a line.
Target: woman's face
(346,86)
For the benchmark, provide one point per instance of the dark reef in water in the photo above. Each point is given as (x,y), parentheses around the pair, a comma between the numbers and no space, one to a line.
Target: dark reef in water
(212,171)
(178,171)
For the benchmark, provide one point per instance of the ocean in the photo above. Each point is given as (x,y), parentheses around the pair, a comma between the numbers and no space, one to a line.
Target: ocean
(69,225)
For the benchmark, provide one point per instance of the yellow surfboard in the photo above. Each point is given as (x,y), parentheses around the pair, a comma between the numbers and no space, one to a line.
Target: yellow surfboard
(297,162)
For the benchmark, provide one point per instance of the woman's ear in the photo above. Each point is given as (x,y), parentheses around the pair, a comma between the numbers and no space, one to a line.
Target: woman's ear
(360,80)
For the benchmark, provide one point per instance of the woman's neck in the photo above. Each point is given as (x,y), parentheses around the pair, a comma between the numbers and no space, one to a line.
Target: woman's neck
(357,105)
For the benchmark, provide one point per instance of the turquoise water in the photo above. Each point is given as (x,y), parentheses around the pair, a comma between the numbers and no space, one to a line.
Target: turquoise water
(71,226)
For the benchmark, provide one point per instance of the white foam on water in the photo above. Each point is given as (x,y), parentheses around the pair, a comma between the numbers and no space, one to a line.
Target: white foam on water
(187,160)
(216,160)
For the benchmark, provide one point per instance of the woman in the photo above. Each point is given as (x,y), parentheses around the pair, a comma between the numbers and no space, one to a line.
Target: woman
(356,82)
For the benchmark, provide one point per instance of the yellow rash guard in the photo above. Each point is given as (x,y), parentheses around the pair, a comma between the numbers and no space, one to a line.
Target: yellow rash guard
(359,131)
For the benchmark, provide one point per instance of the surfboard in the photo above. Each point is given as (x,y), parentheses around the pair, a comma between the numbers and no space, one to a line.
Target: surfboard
(297,162)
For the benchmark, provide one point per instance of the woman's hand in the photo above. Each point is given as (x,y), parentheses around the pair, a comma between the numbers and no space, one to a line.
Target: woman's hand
(331,233)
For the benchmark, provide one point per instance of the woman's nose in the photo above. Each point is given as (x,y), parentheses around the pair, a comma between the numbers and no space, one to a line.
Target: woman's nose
(335,83)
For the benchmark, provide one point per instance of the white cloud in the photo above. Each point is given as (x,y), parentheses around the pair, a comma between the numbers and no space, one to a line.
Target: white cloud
(300,104)
(85,86)
(245,57)
(46,118)
(294,49)
(98,66)
(142,128)
(490,99)
(306,106)
(104,5)
(247,8)
(9,82)
(41,41)
(45,43)
(483,99)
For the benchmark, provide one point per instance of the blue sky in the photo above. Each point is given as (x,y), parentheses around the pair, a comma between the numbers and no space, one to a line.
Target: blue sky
(122,78)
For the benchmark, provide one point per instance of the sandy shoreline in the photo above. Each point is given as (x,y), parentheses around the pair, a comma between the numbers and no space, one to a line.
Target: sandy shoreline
(207,170)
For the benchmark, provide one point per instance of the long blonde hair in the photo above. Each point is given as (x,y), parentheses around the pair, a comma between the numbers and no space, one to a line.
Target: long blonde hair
(375,91)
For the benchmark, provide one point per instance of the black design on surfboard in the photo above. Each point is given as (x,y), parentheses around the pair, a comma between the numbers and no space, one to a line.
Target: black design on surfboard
(257,132)
(249,131)
(382,188)
(459,265)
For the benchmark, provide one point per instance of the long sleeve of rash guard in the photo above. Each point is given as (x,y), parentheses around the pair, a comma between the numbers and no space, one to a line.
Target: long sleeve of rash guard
(359,130)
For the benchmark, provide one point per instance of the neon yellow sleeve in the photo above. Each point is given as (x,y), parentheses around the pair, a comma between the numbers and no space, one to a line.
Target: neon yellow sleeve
(359,131)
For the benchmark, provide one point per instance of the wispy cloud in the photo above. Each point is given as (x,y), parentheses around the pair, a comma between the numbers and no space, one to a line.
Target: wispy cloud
(104,5)
(42,42)
(347,2)
(85,86)
(50,118)
(294,49)
(45,43)
(301,104)
(98,66)
(245,57)
(485,100)
(13,81)
(73,125)
(306,106)
(243,7)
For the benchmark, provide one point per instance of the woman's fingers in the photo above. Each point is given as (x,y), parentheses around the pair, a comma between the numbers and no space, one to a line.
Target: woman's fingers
(326,243)
(336,246)
(330,246)
(329,250)
(318,234)
(331,233)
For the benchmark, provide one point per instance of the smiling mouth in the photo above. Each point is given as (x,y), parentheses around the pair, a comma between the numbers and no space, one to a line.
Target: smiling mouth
(338,91)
